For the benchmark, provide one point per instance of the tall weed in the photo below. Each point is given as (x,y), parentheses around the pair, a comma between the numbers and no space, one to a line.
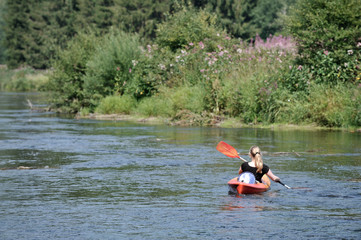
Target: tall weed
(154,106)
(335,106)
(23,80)
(109,69)
(116,105)
(186,98)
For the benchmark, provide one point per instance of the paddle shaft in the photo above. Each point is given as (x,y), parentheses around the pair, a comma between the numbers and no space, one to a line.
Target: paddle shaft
(284,184)
(244,160)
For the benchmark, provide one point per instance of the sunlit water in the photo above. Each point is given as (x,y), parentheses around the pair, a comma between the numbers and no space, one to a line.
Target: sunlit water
(119,180)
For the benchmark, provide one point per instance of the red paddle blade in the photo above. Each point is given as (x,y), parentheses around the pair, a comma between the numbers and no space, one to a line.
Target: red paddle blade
(227,150)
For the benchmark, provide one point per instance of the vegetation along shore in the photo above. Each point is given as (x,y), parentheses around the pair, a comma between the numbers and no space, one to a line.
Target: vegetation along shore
(194,69)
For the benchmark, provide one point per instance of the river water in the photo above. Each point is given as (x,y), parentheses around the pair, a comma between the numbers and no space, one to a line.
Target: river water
(63,178)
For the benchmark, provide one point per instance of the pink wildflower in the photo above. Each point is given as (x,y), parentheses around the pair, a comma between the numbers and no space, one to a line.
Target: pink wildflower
(130,70)
(299,67)
(201,45)
(191,44)
(325,52)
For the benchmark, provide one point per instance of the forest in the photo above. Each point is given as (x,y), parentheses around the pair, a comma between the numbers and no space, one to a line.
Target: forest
(191,62)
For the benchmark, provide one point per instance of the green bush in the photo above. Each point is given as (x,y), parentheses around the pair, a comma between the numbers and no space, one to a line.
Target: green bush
(336,106)
(328,35)
(188,26)
(150,71)
(66,84)
(23,80)
(325,70)
(154,106)
(325,105)
(116,104)
(186,98)
(109,70)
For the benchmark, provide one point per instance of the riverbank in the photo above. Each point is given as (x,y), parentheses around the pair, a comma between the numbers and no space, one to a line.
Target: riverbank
(24,79)
(216,121)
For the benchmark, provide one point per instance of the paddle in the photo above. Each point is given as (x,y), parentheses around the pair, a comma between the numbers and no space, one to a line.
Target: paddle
(284,184)
(230,151)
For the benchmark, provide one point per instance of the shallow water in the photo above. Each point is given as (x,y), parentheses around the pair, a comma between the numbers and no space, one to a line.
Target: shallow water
(120,180)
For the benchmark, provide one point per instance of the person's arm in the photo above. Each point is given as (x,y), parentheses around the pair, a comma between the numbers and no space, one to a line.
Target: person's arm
(240,170)
(272,176)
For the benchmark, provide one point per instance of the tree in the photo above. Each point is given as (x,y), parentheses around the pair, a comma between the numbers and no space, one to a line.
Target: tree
(35,28)
(247,18)
(325,25)
(16,29)
(2,33)
(140,16)
(264,17)
(328,36)
(187,26)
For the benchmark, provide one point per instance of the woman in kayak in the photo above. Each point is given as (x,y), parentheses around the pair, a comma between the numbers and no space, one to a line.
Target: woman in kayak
(256,167)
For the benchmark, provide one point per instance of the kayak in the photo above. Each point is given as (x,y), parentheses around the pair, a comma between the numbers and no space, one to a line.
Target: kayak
(237,187)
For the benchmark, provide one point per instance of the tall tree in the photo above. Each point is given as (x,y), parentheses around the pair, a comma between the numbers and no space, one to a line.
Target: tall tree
(2,33)
(326,25)
(141,16)
(247,18)
(36,48)
(16,29)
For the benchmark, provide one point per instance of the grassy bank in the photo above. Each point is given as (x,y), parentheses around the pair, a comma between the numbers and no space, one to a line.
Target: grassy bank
(248,83)
(23,80)
(216,121)
(194,73)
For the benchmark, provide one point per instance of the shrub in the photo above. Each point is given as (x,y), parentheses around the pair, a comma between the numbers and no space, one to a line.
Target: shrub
(154,106)
(334,106)
(109,68)
(116,104)
(23,80)
(188,26)
(251,87)
(186,98)
(66,81)
(325,70)
(328,35)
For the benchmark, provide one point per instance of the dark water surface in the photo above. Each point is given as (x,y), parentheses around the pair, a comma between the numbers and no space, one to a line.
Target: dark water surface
(120,180)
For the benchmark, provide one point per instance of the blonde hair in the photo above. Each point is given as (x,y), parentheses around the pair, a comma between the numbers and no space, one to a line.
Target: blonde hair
(255,153)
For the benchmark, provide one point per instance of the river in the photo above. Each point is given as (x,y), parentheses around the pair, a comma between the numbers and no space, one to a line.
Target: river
(63,178)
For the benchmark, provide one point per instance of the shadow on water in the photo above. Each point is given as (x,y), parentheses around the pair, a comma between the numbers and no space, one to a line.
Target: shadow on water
(87,179)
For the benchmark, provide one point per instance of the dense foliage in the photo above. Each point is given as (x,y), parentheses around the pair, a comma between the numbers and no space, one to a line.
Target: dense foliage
(195,70)
(328,34)
(2,34)
(245,19)
(34,29)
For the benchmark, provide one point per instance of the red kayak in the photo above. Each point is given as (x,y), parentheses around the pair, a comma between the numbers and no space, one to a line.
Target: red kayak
(237,187)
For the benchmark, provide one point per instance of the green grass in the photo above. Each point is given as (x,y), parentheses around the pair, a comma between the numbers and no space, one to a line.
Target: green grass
(23,80)
(116,105)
